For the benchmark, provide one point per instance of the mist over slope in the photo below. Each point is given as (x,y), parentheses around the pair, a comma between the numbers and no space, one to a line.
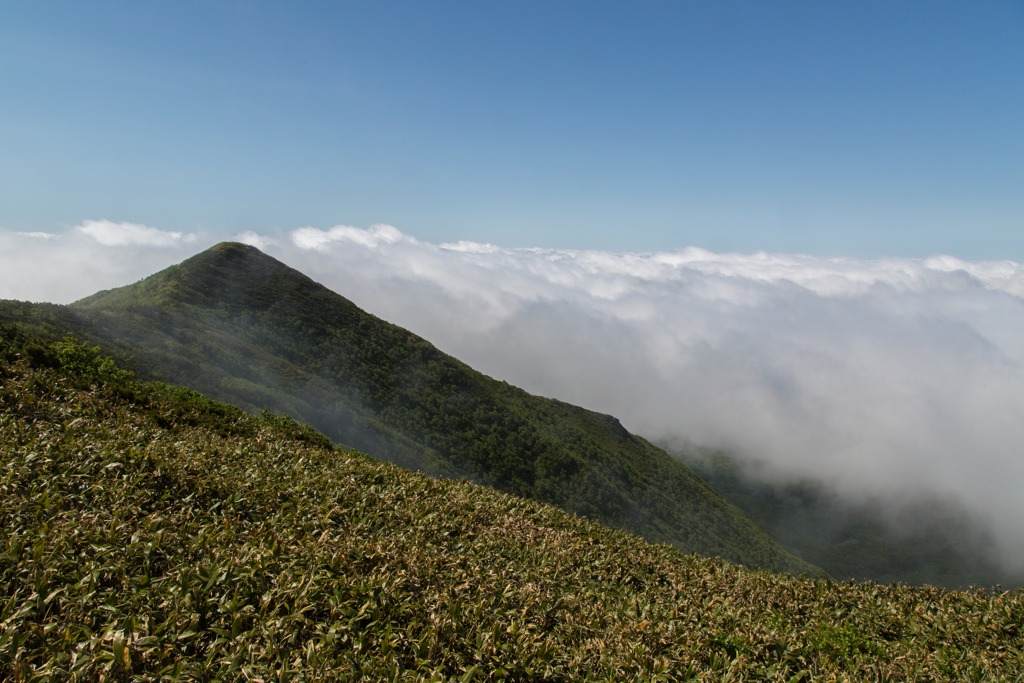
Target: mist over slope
(922,540)
(889,377)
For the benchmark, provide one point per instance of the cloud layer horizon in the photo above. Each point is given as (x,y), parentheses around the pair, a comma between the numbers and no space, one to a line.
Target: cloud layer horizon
(886,377)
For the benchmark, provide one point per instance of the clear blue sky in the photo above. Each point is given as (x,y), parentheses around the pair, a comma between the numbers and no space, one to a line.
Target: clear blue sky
(860,129)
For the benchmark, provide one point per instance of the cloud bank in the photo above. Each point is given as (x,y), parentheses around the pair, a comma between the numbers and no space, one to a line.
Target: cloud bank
(95,255)
(883,377)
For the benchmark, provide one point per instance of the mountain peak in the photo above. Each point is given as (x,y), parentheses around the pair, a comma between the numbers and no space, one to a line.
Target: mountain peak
(228,274)
(244,328)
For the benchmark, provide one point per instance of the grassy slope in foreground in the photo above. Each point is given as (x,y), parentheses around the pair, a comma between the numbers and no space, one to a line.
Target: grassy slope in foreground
(241,327)
(151,532)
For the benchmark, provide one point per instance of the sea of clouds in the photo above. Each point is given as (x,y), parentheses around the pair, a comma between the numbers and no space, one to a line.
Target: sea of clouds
(890,377)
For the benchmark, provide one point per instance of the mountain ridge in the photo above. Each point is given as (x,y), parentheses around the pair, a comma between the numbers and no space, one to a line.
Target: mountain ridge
(243,328)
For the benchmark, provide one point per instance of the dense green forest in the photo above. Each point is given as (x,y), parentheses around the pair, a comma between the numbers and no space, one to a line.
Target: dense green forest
(927,541)
(152,534)
(243,328)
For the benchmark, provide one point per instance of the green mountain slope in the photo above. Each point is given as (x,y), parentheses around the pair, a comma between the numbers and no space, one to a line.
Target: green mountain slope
(150,534)
(243,328)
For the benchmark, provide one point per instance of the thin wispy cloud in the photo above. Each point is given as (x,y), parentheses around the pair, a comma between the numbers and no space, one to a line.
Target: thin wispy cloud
(883,377)
(112,234)
(312,238)
(38,235)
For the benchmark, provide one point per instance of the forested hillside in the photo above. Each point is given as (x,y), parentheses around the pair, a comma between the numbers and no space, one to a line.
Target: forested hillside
(151,534)
(243,328)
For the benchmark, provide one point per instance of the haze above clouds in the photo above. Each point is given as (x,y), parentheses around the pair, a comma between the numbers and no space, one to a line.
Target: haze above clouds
(885,377)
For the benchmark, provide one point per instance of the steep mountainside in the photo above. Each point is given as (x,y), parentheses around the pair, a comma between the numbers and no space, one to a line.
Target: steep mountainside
(150,534)
(243,328)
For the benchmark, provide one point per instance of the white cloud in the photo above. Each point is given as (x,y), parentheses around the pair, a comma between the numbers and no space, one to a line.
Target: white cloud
(112,234)
(38,235)
(313,238)
(253,239)
(471,247)
(889,375)
(64,267)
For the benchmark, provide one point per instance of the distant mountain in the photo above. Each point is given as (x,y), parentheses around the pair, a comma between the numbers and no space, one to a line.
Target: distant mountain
(241,327)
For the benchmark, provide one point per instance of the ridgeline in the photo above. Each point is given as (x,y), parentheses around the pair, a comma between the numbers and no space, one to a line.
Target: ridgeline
(243,328)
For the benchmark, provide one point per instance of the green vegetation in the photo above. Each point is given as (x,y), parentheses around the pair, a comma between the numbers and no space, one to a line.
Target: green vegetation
(928,541)
(243,328)
(152,534)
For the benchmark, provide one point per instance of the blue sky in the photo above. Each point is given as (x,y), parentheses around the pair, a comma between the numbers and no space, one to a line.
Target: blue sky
(855,129)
